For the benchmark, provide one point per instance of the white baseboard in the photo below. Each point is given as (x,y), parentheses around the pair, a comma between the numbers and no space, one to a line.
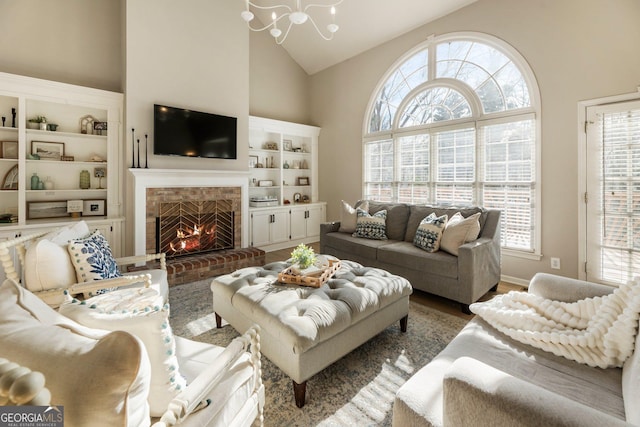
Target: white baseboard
(515,280)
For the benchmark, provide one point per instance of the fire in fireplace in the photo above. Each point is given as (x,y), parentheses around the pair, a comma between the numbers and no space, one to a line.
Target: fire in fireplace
(190,227)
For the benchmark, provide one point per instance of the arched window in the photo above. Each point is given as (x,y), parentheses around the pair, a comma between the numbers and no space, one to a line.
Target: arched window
(456,122)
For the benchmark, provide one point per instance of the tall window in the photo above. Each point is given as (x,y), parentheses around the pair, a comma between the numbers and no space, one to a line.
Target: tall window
(455,122)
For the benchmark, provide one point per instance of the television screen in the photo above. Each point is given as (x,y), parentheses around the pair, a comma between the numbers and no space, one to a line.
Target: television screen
(182,132)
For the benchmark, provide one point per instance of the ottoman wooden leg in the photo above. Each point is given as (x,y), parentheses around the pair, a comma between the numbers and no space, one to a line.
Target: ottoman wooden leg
(218,321)
(403,323)
(299,392)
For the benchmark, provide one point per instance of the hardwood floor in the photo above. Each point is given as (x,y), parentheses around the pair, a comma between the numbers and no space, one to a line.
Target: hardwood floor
(426,299)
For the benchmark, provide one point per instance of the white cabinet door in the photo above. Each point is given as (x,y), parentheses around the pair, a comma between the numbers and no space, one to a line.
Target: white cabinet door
(306,220)
(260,228)
(280,226)
(315,216)
(298,223)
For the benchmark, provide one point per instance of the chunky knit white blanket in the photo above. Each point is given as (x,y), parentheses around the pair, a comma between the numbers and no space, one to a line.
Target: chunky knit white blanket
(596,331)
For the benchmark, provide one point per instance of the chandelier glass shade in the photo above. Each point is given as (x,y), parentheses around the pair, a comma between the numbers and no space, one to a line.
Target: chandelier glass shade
(296,16)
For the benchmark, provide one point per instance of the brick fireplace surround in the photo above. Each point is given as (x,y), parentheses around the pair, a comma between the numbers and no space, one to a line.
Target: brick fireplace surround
(153,186)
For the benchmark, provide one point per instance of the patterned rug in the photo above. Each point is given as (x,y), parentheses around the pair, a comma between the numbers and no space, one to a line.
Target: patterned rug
(357,390)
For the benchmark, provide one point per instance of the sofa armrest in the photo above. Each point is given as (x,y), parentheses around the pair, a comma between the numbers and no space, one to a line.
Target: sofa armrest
(480,395)
(193,398)
(478,268)
(329,227)
(326,228)
(565,289)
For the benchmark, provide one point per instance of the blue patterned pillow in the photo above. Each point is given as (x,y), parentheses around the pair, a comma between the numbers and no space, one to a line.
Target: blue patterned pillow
(429,232)
(371,226)
(92,259)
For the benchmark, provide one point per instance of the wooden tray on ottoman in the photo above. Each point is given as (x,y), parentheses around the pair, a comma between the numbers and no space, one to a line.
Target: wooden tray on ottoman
(315,280)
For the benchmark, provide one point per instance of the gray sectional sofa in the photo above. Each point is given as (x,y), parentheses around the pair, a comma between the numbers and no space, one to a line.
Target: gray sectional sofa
(463,278)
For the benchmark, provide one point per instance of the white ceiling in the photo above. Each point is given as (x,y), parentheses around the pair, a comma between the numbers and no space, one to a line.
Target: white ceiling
(363,24)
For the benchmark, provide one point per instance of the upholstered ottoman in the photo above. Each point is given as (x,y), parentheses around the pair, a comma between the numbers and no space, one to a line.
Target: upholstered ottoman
(305,329)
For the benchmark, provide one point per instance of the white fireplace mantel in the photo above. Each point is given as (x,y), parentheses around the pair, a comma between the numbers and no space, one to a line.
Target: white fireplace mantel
(165,178)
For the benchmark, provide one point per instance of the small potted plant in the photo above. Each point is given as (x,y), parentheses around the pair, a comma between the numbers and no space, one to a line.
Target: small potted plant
(303,257)
(38,122)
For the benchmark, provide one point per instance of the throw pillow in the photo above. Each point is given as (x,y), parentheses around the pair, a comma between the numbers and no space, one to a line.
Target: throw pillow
(349,216)
(92,259)
(371,226)
(101,378)
(458,231)
(429,232)
(47,264)
(63,235)
(143,313)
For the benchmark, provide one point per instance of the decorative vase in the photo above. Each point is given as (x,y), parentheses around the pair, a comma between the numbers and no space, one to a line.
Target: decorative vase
(35,180)
(85,180)
(48,184)
(43,126)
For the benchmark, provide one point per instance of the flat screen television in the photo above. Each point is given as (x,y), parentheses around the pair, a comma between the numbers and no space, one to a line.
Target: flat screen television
(182,132)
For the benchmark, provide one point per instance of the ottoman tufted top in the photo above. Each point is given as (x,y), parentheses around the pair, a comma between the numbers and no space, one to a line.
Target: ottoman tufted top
(303,316)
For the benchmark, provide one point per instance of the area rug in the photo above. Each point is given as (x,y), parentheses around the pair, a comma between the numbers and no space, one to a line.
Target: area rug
(357,390)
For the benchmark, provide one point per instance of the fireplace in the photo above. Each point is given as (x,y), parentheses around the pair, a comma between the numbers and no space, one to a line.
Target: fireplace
(153,187)
(192,227)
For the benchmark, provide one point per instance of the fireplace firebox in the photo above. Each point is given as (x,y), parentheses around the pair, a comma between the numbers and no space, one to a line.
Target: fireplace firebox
(192,227)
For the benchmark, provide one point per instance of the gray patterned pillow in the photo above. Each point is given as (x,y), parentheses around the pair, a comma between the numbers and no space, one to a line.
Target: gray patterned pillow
(429,232)
(371,226)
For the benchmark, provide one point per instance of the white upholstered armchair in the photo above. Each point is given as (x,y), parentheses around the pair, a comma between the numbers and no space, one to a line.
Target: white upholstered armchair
(112,359)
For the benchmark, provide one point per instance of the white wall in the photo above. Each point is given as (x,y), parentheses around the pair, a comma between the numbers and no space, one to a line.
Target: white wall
(194,55)
(577,49)
(69,41)
(278,86)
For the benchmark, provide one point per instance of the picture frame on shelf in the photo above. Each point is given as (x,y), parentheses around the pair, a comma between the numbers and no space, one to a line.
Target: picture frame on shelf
(42,210)
(67,158)
(9,149)
(303,180)
(287,145)
(265,183)
(47,150)
(270,145)
(10,181)
(253,161)
(99,128)
(97,207)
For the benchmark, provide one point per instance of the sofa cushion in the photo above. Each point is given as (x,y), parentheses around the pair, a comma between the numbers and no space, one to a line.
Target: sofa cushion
(371,226)
(417,213)
(141,312)
(349,216)
(429,232)
(397,214)
(101,378)
(458,231)
(405,254)
(358,247)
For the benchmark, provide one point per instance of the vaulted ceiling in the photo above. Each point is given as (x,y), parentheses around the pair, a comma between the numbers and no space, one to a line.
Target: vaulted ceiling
(363,24)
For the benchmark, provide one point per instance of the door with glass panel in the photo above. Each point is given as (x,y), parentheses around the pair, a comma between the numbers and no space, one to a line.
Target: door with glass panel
(613,193)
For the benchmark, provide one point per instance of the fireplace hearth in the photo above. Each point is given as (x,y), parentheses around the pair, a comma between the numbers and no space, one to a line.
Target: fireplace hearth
(194,227)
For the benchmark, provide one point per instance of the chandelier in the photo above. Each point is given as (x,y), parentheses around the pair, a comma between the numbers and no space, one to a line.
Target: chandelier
(297,16)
